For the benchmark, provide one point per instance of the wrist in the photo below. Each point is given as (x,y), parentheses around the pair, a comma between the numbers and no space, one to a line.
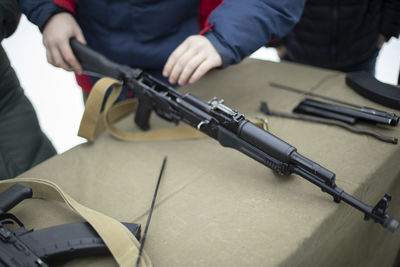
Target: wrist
(51,16)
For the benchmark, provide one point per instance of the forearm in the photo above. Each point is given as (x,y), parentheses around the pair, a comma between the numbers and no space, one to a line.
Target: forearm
(240,28)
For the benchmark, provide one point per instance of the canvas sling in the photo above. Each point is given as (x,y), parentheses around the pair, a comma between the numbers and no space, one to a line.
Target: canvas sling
(120,241)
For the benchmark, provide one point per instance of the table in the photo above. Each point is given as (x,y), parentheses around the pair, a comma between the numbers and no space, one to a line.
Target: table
(216,206)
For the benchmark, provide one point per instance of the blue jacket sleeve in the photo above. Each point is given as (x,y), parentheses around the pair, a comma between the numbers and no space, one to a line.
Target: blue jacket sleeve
(39,11)
(241,27)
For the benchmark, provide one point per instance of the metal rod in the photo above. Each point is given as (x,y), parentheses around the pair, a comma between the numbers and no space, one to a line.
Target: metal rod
(299,91)
(150,212)
(384,138)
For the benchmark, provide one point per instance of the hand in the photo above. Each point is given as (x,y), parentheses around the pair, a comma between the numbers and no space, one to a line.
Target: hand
(381,41)
(56,34)
(281,50)
(191,60)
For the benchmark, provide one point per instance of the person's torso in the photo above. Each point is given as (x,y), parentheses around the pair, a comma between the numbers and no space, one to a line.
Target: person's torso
(335,33)
(139,33)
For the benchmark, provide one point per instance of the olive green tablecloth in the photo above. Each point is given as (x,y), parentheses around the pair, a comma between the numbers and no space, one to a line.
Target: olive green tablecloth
(216,206)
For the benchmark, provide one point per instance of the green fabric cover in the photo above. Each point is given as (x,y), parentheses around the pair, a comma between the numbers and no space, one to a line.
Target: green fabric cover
(218,207)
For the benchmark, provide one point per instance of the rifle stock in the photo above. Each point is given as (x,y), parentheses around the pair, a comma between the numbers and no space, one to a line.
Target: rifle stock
(94,63)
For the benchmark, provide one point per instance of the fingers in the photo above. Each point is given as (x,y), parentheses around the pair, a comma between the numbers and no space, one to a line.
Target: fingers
(191,60)
(174,57)
(79,36)
(190,67)
(60,28)
(60,54)
(55,57)
(381,41)
(69,57)
(182,66)
(205,67)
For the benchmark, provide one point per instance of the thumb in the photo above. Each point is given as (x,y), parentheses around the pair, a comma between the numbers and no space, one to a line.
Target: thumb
(79,36)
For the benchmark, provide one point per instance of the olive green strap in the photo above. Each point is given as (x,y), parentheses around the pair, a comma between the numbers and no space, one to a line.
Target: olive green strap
(120,241)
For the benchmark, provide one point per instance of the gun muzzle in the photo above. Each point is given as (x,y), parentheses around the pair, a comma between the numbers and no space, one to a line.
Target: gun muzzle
(391,224)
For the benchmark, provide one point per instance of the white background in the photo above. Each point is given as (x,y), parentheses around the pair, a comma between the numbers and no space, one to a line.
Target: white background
(58,100)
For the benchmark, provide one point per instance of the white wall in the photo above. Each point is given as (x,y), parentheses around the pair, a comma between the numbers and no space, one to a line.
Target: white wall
(388,62)
(58,100)
(53,92)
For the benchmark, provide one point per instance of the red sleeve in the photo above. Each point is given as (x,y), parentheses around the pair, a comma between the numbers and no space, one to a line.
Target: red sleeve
(84,82)
(206,8)
(66,4)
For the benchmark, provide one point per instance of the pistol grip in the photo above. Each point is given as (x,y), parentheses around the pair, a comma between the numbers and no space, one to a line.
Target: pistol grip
(14,195)
(143,112)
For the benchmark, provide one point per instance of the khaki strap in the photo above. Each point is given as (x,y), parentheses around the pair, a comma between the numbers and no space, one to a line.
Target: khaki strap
(94,121)
(123,245)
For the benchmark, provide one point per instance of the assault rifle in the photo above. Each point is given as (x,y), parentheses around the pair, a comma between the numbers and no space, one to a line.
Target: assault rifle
(22,247)
(227,126)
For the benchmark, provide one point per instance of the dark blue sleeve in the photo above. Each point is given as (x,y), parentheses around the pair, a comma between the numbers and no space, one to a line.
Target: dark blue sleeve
(39,11)
(241,27)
